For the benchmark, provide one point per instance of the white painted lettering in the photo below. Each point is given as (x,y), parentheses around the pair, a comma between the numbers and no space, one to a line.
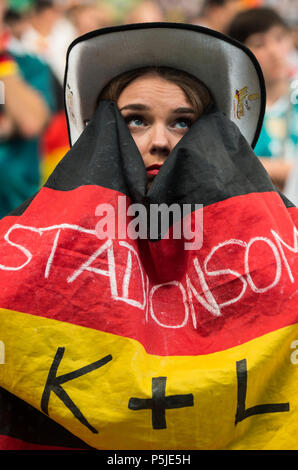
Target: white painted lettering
(184,300)
(277,261)
(222,272)
(293,249)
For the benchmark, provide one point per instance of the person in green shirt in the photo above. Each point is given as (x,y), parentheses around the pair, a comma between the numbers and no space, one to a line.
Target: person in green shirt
(26,105)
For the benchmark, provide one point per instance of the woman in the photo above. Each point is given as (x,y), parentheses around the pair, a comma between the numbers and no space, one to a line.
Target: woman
(159,105)
(143,340)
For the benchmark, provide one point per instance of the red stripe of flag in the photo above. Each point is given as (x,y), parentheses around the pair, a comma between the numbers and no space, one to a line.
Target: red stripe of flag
(240,285)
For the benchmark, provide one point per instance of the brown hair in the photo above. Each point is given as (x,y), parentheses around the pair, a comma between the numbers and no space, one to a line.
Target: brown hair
(196,92)
(254,21)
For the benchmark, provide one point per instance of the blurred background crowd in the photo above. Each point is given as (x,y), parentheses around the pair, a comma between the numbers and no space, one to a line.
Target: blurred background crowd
(35,36)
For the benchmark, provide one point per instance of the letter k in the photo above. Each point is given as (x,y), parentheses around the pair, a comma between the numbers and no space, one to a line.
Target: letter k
(54,383)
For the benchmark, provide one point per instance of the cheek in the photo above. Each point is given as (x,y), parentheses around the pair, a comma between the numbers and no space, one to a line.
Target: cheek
(260,54)
(286,47)
(176,139)
(265,61)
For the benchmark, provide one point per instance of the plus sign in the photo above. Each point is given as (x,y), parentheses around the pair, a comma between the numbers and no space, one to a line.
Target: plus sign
(159,402)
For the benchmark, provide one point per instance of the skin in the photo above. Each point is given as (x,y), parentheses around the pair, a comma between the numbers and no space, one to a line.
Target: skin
(272,49)
(89,17)
(158,115)
(147,11)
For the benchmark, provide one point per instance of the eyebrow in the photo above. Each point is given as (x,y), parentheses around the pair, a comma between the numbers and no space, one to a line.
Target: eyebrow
(143,107)
(136,107)
(184,111)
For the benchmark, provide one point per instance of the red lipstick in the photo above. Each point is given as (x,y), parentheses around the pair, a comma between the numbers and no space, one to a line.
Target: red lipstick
(153,169)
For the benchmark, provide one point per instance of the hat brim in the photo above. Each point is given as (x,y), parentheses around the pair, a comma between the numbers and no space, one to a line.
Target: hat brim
(228,68)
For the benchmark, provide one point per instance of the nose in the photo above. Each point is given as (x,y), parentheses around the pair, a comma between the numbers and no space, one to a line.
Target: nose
(160,144)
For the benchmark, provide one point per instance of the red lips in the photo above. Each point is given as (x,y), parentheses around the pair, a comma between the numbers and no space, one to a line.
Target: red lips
(153,169)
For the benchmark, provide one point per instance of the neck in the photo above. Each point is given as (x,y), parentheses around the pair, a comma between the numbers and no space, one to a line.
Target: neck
(276,90)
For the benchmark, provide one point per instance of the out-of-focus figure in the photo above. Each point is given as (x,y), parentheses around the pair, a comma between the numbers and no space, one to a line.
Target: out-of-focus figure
(180,10)
(88,17)
(75,18)
(49,35)
(268,36)
(146,11)
(217,14)
(288,9)
(16,22)
(26,103)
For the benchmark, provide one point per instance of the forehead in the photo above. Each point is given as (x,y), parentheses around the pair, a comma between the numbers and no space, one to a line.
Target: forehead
(269,33)
(153,88)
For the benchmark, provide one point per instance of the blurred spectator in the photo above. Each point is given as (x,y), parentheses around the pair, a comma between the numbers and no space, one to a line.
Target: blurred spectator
(25,111)
(49,35)
(288,10)
(145,12)
(268,36)
(16,22)
(217,14)
(180,10)
(21,6)
(86,18)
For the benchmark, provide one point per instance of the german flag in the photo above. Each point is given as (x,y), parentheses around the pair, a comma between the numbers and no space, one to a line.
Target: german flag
(121,342)
(54,144)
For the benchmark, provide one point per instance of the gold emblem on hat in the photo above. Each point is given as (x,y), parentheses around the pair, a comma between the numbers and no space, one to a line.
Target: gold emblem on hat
(69,101)
(242,101)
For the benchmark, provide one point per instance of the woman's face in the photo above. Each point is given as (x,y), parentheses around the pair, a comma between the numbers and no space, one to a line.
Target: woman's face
(272,49)
(158,115)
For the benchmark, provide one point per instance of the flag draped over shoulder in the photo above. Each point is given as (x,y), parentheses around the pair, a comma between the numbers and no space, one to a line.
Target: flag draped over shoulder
(119,342)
